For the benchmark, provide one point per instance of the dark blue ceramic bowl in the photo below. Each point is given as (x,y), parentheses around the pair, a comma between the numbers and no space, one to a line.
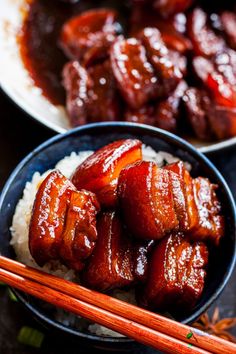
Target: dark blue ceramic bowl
(92,137)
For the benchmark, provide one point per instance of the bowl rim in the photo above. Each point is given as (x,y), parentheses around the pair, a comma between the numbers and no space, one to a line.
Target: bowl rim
(169,137)
(30,113)
(25,108)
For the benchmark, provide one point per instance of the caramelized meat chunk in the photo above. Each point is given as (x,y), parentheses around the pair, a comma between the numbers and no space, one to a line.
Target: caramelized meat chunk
(167,112)
(228,25)
(100,171)
(143,115)
(47,220)
(205,41)
(164,114)
(63,222)
(172,31)
(103,102)
(203,208)
(187,208)
(79,234)
(146,200)
(176,41)
(206,118)
(209,223)
(222,121)
(179,193)
(89,35)
(176,274)
(159,57)
(134,74)
(179,61)
(217,80)
(117,260)
(196,102)
(111,264)
(91,94)
(76,82)
(225,63)
(187,183)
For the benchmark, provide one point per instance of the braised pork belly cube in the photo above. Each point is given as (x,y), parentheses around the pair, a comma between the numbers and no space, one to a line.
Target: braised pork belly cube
(79,235)
(111,264)
(100,171)
(205,221)
(91,95)
(205,41)
(225,64)
(228,25)
(222,121)
(155,201)
(117,261)
(207,119)
(89,35)
(167,112)
(196,103)
(163,114)
(47,220)
(210,224)
(158,55)
(176,41)
(76,82)
(143,115)
(172,31)
(146,200)
(178,185)
(176,274)
(218,80)
(186,181)
(104,104)
(179,61)
(134,74)
(63,223)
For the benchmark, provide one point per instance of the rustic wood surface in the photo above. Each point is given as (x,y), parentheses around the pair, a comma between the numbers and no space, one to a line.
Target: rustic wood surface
(19,135)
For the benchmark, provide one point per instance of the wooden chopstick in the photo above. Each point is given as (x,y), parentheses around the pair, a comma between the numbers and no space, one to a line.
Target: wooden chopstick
(126,327)
(122,311)
(154,321)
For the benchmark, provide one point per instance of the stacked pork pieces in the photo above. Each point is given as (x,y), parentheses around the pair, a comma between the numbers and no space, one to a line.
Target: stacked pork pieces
(173,68)
(122,222)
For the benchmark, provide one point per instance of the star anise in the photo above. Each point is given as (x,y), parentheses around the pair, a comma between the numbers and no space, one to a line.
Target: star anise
(216,326)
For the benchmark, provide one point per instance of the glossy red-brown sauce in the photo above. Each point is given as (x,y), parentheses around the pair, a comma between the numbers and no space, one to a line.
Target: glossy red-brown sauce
(38,41)
(39,48)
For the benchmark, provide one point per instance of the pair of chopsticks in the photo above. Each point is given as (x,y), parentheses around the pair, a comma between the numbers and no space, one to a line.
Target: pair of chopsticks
(143,326)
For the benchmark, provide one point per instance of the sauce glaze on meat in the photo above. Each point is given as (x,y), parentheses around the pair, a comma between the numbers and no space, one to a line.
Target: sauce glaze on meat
(120,221)
(170,64)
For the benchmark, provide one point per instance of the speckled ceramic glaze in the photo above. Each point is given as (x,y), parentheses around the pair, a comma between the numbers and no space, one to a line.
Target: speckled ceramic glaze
(92,137)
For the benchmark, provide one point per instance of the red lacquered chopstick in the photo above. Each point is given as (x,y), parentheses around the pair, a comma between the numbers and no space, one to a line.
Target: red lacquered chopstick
(130,320)
(98,315)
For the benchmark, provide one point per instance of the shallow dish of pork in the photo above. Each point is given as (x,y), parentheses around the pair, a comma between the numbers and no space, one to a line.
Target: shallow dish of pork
(168,64)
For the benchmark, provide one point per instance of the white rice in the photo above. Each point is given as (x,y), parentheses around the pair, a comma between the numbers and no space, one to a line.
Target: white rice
(20,227)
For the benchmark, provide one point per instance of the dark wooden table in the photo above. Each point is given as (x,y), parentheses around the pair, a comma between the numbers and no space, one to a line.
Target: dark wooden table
(19,134)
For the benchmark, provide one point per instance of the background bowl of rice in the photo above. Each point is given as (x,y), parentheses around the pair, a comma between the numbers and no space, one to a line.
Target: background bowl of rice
(66,152)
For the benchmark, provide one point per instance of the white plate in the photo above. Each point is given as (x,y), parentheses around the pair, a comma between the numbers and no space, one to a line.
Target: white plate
(15,81)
